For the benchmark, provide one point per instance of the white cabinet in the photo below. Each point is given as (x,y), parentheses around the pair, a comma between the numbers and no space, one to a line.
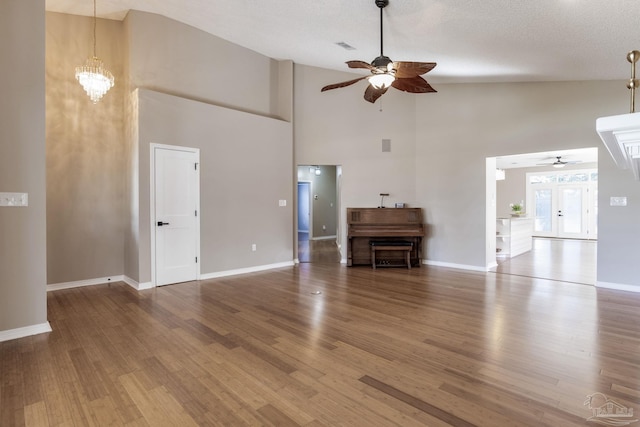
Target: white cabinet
(514,236)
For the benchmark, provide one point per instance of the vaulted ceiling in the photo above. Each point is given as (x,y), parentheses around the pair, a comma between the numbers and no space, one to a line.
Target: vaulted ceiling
(471,40)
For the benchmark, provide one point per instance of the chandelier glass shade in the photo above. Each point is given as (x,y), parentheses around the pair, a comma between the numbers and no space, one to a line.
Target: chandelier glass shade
(93,76)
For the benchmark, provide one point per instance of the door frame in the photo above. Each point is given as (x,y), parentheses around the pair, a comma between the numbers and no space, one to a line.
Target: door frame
(152,204)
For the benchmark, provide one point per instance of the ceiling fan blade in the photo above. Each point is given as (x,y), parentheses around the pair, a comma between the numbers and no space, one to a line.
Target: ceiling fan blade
(412,69)
(371,94)
(414,84)
(342,84)
(360,64)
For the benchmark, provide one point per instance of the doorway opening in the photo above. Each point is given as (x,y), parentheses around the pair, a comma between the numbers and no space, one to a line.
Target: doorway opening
(318,222)
(560,204)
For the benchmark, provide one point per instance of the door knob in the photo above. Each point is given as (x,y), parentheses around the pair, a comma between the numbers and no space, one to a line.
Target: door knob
(160,223)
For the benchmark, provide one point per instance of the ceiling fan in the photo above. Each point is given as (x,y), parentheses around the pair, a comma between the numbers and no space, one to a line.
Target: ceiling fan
(558,163)
(385,73)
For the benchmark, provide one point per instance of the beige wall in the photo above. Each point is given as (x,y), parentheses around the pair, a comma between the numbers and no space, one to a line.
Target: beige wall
(174,58)
(339,127)
(22,164)
(201,91)
(85,153)
(245,162)
(463,124)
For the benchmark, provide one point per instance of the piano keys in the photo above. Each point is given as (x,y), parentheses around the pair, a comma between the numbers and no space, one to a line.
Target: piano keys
(380,224)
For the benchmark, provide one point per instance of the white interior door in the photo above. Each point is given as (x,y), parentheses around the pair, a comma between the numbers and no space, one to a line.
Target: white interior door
(176,182)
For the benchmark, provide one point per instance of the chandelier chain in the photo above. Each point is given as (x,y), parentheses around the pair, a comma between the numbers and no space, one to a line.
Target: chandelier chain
(95,19)
(95,79)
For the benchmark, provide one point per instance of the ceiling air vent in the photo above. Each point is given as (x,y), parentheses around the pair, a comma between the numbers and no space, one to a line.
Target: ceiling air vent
(345,46)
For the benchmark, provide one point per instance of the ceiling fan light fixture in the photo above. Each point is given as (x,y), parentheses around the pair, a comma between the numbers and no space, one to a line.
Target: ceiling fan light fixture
(558,165)
(381,80)
(402,75)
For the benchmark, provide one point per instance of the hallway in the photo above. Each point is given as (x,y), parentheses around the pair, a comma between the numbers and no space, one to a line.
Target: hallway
(317,251)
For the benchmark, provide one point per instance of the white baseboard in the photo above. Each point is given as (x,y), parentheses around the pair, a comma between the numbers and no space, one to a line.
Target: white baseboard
(325,238)
(246,270)
(456,266)
(25,331)
(618,286)
(81,283)
(137,286)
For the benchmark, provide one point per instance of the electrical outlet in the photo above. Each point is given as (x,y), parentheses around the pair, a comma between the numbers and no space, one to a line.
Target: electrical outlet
(254,247)
(282,203)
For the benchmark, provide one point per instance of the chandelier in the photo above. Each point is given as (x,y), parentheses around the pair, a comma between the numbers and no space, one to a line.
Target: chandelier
(93,76)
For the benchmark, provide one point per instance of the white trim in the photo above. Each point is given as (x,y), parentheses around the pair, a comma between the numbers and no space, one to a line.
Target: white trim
(100,281)
(246,270)
(618,286)
(325,238)
(25,331)
(82,283)
(137,286)
(457,266)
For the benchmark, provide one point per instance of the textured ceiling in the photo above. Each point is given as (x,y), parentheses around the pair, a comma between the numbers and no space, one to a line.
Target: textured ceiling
(471,40)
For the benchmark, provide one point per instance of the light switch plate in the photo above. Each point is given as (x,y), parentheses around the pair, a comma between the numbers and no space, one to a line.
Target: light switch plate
(282,203)
(14,199)
(618,201)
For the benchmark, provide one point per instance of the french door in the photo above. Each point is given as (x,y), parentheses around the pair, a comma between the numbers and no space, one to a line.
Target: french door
(565,204)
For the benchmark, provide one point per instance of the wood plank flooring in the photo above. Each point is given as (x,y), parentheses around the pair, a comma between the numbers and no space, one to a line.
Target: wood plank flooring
(392,347)
(318,251)
(558,259)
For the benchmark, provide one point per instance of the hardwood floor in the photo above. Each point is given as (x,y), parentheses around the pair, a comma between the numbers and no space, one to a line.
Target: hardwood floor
(558,259)
(317,251)
(392,347)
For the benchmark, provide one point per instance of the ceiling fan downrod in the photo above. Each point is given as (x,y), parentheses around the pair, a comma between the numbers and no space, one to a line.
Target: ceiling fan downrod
(381,61)
(381,4)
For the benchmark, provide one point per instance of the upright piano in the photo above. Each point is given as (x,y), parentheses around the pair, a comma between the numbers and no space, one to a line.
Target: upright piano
(383,224)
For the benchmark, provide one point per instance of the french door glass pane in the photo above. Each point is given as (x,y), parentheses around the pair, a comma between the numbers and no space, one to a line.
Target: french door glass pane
(572,210)
(543,210)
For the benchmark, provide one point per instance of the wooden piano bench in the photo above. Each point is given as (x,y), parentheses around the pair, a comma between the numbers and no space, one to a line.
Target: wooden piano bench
(390,245)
